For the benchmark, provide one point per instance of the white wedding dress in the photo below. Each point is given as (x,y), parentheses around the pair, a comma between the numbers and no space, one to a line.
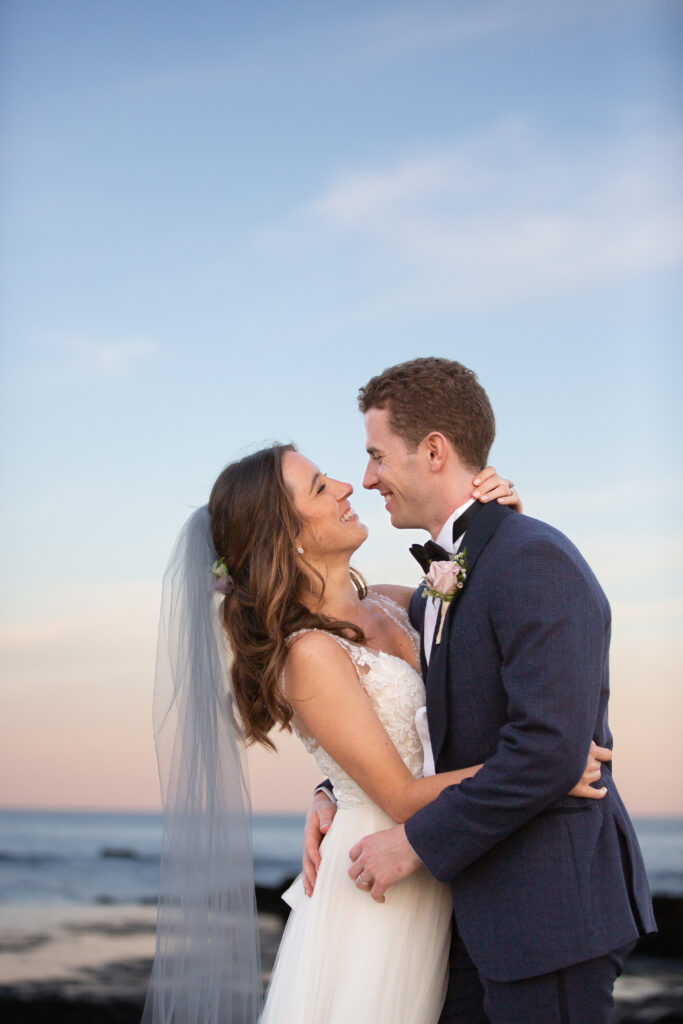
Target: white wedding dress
(345,959)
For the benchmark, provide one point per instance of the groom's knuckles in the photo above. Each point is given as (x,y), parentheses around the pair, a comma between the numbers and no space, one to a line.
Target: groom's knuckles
(355,870)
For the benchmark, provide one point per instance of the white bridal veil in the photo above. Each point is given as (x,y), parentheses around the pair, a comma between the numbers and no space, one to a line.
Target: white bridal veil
(207,966)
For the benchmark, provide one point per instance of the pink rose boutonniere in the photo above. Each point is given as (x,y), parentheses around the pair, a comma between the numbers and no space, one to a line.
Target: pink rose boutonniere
(443,581)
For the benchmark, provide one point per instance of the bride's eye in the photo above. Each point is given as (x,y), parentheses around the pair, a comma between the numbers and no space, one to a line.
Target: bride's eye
(321,488)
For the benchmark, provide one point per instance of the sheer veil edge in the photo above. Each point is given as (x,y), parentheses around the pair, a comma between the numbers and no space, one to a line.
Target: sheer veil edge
(207,966)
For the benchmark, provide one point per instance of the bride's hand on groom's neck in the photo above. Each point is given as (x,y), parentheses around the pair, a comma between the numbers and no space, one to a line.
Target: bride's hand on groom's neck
(489,486)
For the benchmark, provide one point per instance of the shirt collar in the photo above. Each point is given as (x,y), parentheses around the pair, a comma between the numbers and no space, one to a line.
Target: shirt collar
(445,538)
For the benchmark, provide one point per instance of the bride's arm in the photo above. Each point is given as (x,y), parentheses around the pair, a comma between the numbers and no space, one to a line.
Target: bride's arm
(325,693)
(324,690)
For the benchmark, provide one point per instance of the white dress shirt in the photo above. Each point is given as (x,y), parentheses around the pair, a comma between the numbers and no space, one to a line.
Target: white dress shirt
(445,539)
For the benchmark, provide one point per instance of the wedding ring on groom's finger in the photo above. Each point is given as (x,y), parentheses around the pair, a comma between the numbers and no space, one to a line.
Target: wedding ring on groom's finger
(366,885)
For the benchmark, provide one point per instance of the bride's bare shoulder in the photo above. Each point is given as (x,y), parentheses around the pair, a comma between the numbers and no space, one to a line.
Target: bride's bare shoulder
(314,658)
(313,648)
(311,644)
(401,595)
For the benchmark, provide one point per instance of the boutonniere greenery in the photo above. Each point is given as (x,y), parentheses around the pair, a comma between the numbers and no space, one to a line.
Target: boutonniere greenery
(443,582)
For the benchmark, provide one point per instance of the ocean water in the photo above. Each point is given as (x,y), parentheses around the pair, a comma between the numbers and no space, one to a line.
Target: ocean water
(57,857)
(106,858)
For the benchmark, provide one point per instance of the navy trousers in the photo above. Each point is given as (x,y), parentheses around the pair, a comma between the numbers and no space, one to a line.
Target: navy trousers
(580,994)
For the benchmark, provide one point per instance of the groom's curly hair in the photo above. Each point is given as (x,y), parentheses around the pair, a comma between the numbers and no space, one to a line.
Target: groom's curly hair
(254,527)
(435,394)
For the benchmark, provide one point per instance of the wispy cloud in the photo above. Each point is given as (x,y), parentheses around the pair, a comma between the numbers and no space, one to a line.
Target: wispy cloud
(413,28)
(105,356)
(370,37)
(112,356)
(503,214)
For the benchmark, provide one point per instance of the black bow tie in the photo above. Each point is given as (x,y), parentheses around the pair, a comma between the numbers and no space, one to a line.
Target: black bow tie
(430,552)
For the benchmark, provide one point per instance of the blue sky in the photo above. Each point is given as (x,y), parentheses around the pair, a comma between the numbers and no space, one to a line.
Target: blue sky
(219,220)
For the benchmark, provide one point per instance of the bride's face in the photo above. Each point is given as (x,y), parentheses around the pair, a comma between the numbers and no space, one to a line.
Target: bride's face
(330,524)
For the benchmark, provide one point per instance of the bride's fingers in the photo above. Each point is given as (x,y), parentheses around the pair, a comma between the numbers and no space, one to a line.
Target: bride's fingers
(496,488)
(489,486)
(588,792)
(486,474)
(509,498)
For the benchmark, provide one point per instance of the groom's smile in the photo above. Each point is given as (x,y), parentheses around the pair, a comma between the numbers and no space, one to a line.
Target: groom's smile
(393,470)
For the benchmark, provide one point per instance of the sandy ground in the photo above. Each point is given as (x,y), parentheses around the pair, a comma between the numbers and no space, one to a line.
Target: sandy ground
(104,952)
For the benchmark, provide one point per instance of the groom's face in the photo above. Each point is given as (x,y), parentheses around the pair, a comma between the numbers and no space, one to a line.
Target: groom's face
(399,474)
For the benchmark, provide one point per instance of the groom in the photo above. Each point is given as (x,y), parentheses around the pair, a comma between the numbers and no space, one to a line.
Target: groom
(549,890)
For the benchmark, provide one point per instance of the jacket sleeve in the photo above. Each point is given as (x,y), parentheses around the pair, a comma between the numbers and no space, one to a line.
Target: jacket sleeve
(551,623)
(416,609)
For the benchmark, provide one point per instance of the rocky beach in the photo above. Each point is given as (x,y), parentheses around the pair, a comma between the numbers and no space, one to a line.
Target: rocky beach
(90,965)
(78,913)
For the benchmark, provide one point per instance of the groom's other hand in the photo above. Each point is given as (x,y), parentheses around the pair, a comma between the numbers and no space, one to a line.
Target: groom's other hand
(381,859)
(592,773)
(318,821)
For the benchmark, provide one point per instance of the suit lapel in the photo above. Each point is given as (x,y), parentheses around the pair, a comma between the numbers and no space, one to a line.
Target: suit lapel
(485,523)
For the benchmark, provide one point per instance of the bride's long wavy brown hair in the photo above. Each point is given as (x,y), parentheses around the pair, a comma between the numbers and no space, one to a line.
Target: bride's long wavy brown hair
(255,525)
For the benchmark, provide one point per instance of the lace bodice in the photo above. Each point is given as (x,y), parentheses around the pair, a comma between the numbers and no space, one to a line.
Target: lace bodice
(396,691)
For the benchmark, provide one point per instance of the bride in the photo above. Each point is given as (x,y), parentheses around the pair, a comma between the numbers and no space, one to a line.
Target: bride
(312,649)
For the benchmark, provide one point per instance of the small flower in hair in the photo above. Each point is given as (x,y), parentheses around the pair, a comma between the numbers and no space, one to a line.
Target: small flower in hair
(224,583)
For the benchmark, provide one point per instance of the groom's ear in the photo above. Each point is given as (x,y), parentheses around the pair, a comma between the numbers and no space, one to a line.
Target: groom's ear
(436,449)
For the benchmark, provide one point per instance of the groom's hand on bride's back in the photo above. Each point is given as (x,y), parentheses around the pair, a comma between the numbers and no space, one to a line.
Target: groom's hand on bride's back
(381,859)
(318,821)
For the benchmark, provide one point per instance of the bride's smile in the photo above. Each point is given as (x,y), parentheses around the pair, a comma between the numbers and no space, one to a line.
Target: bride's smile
(331,525)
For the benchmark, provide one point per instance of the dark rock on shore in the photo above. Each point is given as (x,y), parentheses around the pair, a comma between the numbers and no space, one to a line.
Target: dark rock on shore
(668,941)
(47,1010)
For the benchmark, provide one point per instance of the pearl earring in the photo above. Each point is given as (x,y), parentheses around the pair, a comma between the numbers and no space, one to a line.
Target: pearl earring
(300,550)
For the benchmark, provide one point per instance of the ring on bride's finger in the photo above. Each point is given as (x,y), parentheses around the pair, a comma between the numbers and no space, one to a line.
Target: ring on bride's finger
(511,486)
(366,885)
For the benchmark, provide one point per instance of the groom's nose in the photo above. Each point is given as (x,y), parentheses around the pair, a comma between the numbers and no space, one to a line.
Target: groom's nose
(371,479)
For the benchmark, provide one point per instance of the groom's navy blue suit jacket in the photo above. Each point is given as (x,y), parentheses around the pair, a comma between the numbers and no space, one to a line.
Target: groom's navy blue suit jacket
(519,680)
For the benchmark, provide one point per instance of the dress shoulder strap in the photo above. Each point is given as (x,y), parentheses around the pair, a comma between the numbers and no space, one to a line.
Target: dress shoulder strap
(397,614)
(393,609)
(356,653)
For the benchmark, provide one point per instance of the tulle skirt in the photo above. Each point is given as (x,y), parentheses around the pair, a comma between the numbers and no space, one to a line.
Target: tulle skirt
(345,959)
